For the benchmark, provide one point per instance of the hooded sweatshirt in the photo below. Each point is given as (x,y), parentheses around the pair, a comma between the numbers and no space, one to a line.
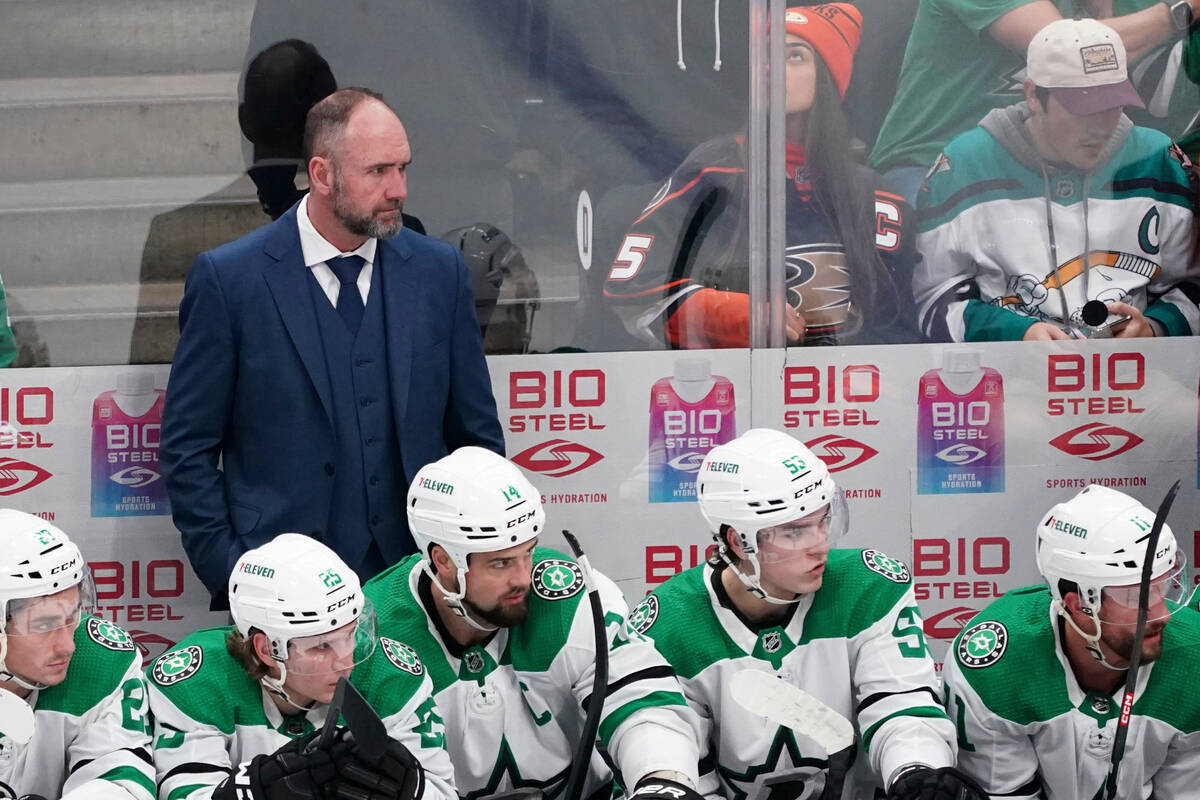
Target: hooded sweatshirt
(1011,239)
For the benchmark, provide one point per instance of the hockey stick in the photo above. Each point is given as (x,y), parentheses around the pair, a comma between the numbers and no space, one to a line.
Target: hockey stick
(765,694)
(16,717)
(1139,635)
(591,724)
(370,734)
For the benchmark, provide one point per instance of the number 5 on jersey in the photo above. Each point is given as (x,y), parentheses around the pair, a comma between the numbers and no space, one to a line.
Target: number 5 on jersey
(631,257)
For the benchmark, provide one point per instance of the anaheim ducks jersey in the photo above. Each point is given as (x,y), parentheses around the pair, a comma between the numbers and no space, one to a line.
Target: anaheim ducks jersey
(1026,729)
(856,644)
(90,736)
(694,235)
(1009,240)
(210,716)
(514,706)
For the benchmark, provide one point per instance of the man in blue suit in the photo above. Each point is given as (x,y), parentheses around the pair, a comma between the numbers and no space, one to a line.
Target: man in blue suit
(324,358)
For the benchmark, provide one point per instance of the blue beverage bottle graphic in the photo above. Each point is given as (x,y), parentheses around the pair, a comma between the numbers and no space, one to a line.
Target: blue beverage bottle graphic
(126,426)
(960,427)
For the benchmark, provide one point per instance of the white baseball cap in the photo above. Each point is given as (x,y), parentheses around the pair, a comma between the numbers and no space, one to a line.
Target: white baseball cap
(1082,63)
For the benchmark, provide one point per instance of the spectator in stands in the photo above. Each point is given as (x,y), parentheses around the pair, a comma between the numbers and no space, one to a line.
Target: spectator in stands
(1056,204)
(681,277)
(964,59)
(323,359)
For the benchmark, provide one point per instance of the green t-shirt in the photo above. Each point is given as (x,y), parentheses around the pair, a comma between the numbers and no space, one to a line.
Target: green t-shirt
(954,73)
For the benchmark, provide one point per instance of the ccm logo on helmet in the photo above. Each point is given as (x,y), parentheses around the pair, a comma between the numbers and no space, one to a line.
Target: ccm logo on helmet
(812,487)
(340,603)
(520,519)
(64,567)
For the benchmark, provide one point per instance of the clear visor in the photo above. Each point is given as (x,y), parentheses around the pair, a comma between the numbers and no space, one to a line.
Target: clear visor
(39,616)
(336,651)
(1168,592)
(817,531)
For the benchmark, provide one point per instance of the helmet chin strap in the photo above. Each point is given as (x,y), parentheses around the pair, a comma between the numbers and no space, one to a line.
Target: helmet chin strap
(454,599)
(5,675)
(275,687)
(1090,640)
(753,582)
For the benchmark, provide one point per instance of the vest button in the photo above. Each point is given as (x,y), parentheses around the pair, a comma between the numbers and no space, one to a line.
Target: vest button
(329,469)
(374,481)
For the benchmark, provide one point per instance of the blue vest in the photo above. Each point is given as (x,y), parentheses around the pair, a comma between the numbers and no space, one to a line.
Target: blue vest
(369,488)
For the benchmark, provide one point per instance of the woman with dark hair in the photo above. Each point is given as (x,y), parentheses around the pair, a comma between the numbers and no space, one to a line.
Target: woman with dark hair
(681,277)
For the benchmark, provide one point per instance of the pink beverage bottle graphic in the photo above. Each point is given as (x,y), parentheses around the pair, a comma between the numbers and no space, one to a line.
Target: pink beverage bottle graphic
(960,427)
(690,413)
(126,423)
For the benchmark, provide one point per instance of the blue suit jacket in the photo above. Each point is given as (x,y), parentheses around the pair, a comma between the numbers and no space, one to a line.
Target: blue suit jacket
(249,385)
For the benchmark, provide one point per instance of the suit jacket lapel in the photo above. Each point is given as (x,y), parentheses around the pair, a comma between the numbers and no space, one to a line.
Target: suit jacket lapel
(400,297)
(288,280)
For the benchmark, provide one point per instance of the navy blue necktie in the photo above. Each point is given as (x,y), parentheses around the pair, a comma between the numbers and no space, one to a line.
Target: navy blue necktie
(349,302)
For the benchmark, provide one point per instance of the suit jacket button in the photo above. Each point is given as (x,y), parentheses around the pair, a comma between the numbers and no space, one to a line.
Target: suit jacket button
(329,469)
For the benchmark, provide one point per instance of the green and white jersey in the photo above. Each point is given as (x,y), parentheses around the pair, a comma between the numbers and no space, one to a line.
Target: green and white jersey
(856,644)
(514,706)
(90,738)
(210,715)
(1122,231)
(1025,726)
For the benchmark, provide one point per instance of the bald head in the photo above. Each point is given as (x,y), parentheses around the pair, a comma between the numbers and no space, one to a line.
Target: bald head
(325,125)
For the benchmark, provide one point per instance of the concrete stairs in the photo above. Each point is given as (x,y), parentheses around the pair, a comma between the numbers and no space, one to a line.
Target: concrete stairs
(123,160)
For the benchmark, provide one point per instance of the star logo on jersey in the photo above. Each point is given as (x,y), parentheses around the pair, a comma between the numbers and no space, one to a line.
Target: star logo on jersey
(644,615)
(894,570)
(106,634)
(506,779)
(982,644)
(556,579)
(1096,441)
(177,666)
(401,655)
(784,774)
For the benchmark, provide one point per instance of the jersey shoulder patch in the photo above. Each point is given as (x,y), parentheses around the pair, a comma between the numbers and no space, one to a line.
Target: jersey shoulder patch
(881,563)
(557,579)
(176,666)
(401,656)
(108,634)
(982,645)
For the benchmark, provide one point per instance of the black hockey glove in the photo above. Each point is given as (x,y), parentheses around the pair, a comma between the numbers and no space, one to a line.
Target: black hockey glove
(394,774)
(662,789)
(293,772)
(927,783)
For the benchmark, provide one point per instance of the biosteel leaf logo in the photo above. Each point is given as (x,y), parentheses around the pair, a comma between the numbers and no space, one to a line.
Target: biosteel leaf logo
(557,458)
(1096,441)
(947,624)
(840,452)
(17,476)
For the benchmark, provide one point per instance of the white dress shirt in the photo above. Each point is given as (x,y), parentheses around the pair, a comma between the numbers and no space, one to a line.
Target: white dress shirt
(317,250)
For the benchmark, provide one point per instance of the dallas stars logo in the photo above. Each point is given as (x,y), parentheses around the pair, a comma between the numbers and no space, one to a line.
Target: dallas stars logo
(786,773)
(982,644)
(177,666)
(401,655)
(555,579)
(885,565)
(506,779)
(106,634)
(644,615)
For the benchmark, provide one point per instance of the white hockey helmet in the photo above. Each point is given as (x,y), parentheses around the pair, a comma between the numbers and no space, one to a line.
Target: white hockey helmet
(1097,540)
(760,482)
(471,501)
(302,596)
(37,560)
